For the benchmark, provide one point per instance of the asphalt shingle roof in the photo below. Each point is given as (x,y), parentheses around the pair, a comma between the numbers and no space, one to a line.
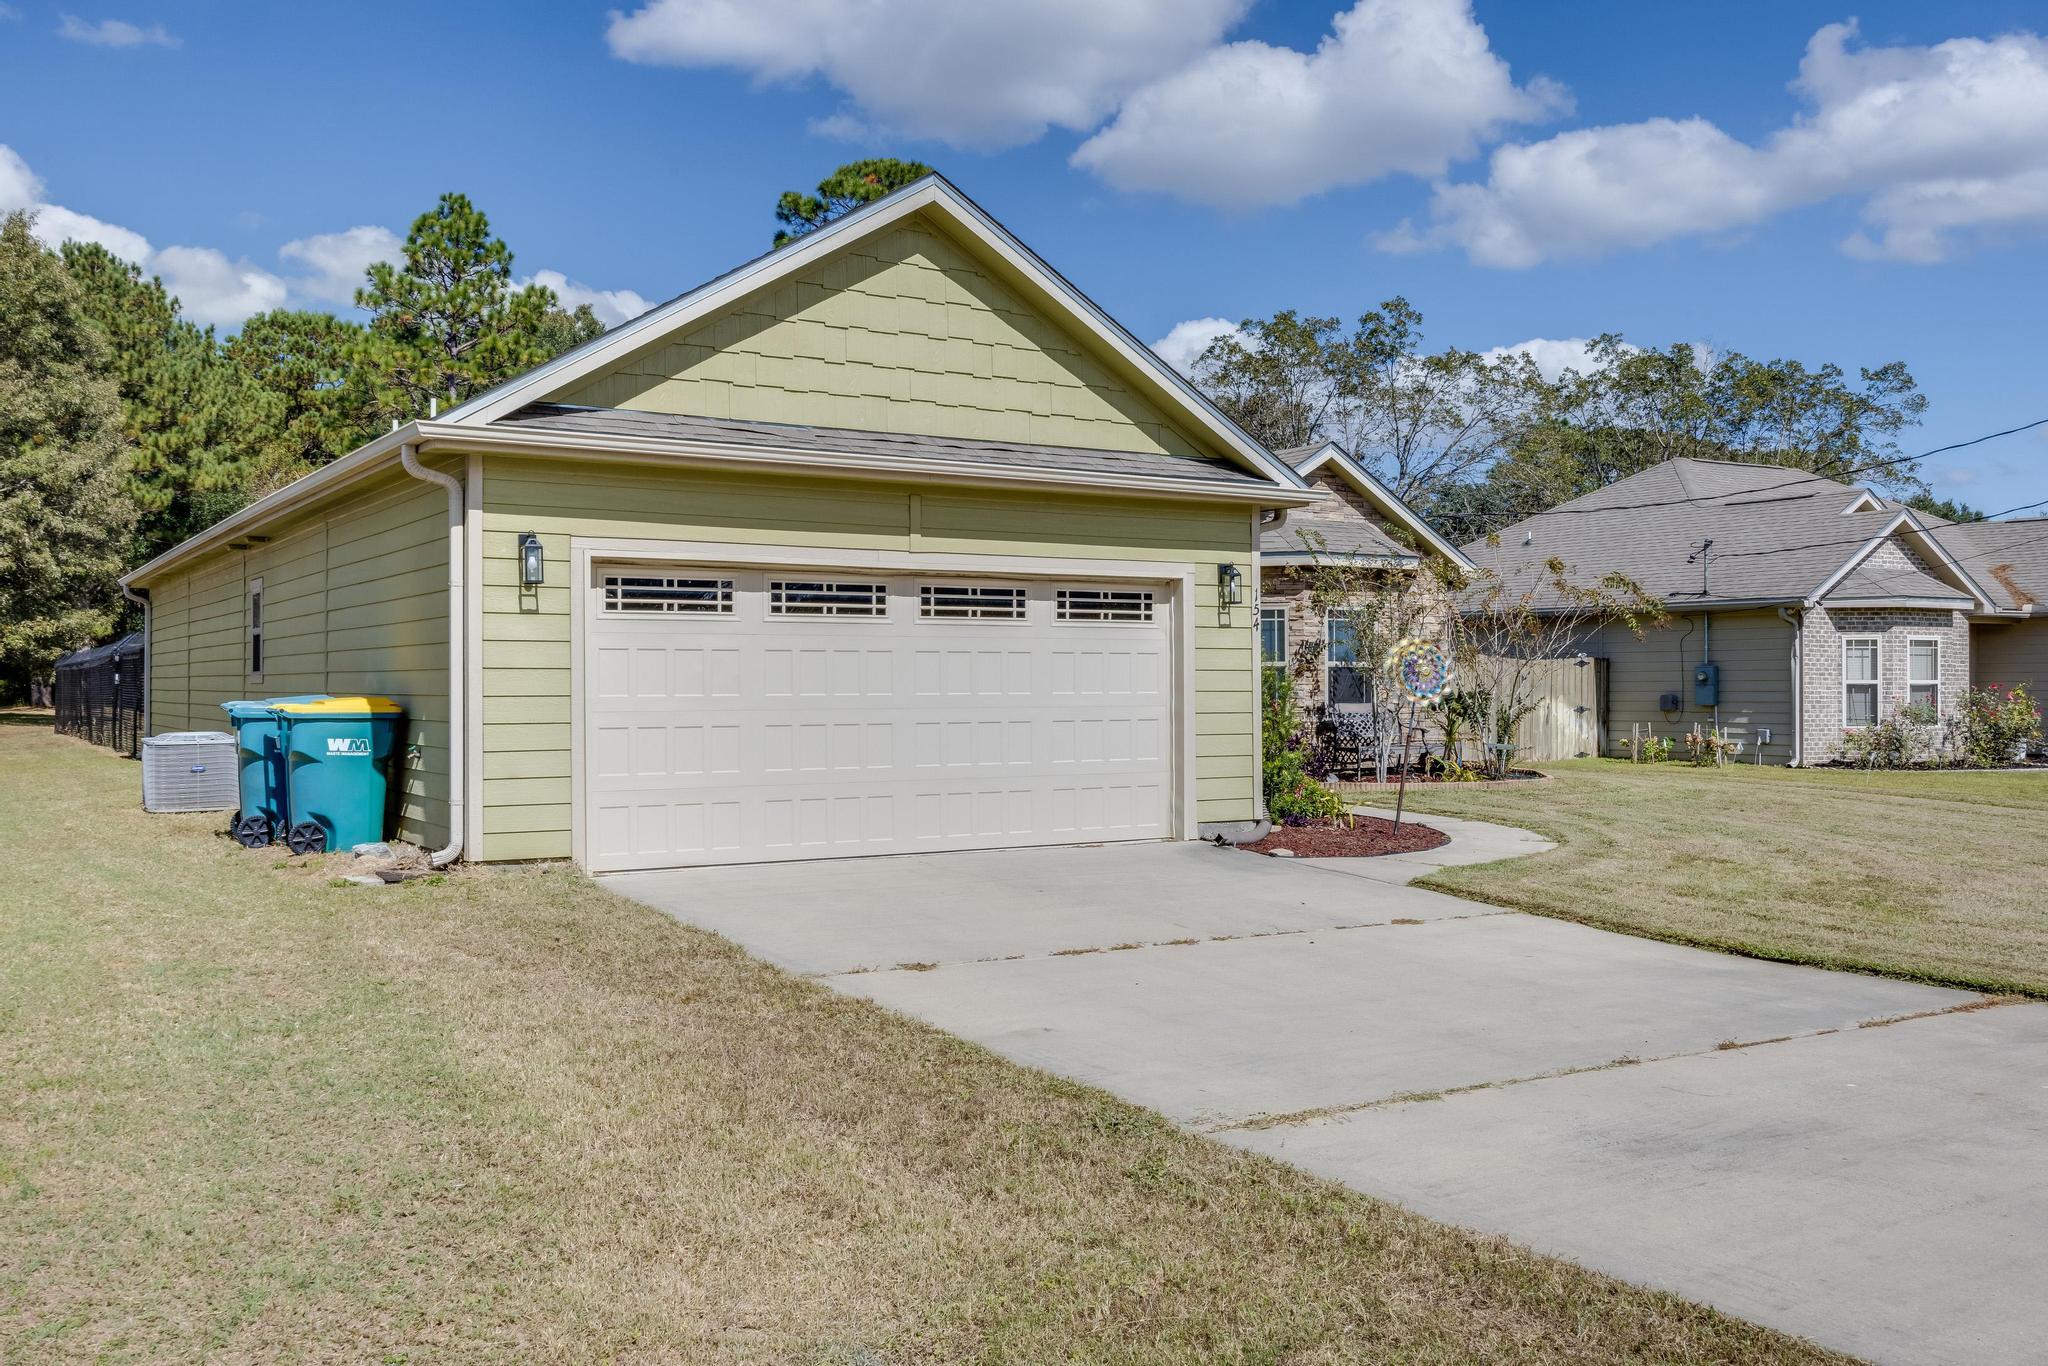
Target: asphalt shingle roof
(2010,559)
(1778,535)
(559,417)
(1304,535)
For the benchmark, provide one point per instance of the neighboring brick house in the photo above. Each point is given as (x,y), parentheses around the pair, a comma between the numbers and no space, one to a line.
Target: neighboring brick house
(1812,607)
(1360,522)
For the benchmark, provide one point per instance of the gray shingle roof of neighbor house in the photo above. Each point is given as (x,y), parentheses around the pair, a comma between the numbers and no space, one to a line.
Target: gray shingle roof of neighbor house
(2010,559)
(721,431)
(1779,535)
(1311,531)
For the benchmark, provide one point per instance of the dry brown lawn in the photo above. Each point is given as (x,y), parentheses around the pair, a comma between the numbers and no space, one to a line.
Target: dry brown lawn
(1941,877)
(249,1115)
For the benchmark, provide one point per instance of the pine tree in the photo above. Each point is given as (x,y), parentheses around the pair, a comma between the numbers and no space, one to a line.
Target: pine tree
(64,514)
(324,407)
(197,425)
(447,323)
(846,189)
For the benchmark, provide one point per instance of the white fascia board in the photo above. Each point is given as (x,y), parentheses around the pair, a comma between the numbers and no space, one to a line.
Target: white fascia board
(1360,478)
(1864,501)
(512,441)
(1952,604)
(935,193)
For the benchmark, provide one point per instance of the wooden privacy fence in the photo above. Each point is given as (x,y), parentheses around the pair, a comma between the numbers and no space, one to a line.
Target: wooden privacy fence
(1568,722)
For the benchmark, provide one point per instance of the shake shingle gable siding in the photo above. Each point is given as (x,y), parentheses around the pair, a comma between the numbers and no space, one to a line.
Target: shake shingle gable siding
(734,432)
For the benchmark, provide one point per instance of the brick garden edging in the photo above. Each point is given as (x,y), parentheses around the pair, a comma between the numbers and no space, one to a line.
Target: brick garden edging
(1352,788)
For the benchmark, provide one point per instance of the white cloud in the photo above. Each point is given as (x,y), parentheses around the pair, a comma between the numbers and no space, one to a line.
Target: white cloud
(114,33)
(612,306)
(20,188)
(1183,345)
(338,261)
(979,75)
(56,225)
(214,290)
(1552,356)
(1398,86)
(1937,140)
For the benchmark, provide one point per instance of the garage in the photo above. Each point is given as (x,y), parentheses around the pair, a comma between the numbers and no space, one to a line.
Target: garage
(738,714)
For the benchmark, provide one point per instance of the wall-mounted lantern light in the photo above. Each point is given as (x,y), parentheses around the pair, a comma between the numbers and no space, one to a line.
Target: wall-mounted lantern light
(533,565)
(1229,585)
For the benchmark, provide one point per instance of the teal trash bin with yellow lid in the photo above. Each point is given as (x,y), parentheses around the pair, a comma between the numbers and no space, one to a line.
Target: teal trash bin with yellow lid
(259,753)
(341,755)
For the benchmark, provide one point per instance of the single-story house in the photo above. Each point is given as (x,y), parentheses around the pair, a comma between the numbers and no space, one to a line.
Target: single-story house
(1801,607)
(887,541)
(1360,522)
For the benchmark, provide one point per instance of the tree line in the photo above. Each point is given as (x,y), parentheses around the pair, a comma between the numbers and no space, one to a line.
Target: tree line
(1475,441)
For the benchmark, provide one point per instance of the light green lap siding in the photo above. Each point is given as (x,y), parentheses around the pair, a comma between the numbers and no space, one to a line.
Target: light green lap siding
(2011,655)
(526,637)
(355,600)
(904,331)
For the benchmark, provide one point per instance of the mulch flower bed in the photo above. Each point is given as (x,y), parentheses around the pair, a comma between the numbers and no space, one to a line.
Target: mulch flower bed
(1364,837)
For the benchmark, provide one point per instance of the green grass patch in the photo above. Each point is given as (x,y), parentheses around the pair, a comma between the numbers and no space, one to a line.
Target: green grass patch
(246,1115)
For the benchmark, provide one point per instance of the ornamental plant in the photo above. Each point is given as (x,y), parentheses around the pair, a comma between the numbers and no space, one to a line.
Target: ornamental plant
(1903,739)
(1293,796)
(1990,725)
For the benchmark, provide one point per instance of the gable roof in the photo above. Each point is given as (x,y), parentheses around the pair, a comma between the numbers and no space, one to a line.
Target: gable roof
(1347,535)
(1779,536)
(2009,559)
(937,197)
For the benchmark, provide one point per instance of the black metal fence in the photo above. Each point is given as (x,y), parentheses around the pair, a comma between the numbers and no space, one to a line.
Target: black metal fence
(98,695)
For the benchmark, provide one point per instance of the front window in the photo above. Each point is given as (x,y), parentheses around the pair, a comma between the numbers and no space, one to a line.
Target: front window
(1859,681)
(1923,673)
(1348,684)
(1273,637)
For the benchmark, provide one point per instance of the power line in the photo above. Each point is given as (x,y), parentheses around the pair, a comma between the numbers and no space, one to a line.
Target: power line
(1803,477)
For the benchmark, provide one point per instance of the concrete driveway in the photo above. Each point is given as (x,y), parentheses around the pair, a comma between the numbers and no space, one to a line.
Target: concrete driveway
(1860,1161)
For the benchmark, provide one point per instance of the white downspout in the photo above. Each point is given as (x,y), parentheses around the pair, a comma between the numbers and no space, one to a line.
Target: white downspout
(148,654)
(457,635)
(1798,682)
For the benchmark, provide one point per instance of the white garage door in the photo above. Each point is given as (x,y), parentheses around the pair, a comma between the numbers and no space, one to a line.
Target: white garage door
(738,715)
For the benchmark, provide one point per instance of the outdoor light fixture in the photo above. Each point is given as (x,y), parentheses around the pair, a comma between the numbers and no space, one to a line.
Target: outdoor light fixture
(1229,585)
(533,566)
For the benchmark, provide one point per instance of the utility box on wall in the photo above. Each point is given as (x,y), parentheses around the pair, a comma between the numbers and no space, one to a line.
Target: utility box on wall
(1706,685)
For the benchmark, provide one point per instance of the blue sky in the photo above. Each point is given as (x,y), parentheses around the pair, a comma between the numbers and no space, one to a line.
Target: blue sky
(1745,176)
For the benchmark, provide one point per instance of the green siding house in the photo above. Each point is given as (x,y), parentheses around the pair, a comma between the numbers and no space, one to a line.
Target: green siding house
(887,541)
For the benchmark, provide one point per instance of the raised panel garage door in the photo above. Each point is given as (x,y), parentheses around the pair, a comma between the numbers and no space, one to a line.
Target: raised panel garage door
(737,716)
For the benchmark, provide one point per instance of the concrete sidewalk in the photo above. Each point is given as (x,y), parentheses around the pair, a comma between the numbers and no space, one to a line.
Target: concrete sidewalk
(1723,1127)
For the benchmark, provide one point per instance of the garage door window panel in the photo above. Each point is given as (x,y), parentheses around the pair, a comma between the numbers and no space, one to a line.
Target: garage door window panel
(825,598)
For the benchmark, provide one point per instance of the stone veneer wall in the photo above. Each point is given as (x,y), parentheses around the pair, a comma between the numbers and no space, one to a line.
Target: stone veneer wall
(1821,635)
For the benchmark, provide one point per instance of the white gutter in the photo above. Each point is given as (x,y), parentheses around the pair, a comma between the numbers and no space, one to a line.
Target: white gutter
(1798,683)
(458,679)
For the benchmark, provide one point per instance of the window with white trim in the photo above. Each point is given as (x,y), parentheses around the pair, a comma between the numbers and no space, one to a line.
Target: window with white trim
(1859,681)
(823,598)
(1273,637)
(255,628)
(1111,605)
(1923,672)
(667,593)
(1349,685)
(970,602)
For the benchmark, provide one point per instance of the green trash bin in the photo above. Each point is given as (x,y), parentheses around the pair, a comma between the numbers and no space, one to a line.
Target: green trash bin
(340,754)
(260,816)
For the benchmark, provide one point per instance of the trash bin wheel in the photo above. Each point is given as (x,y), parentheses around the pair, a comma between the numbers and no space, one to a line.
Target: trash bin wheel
(252,832)
(306,838)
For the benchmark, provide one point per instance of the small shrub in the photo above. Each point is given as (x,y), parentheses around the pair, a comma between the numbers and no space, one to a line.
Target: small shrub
(1991,724)
(1649,749)
(1710,748)
(1293,796)
(1901,740)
